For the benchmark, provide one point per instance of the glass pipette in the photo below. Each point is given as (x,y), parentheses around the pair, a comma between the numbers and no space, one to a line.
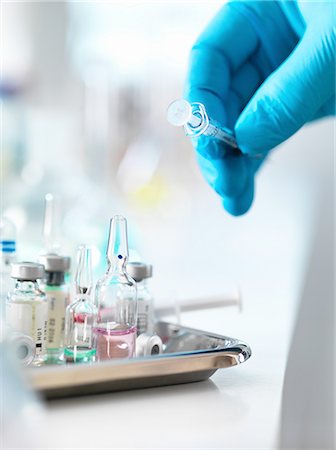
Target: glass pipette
(196,122)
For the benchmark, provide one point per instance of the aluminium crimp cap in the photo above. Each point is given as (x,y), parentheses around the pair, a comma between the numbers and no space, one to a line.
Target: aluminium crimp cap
(55,263)
(139,271)
(27,271)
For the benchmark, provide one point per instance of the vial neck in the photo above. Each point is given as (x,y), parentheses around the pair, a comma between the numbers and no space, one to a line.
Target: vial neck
(83,297)
(83,291)
(26,285)
(54,278)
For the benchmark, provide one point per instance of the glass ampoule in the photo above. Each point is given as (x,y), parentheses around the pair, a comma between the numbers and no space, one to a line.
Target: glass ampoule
(116,299)
(27,307)
(80,339)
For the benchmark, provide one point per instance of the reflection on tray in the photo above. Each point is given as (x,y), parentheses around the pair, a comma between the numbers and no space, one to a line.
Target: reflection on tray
(189,355)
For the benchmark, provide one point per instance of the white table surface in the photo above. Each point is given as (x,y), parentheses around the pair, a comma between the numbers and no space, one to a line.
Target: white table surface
(236,408)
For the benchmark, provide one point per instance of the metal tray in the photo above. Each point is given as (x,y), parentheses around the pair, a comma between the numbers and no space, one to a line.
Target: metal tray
(189,355)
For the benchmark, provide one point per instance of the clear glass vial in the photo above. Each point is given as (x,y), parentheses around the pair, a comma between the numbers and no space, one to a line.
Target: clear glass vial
(27,306)
(140,272)
(116,299)
(57,292)
(80,338)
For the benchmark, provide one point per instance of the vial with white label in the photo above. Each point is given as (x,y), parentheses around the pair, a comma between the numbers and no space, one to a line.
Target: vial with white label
(57,292)
(140,273)
(80,315)
(27,306)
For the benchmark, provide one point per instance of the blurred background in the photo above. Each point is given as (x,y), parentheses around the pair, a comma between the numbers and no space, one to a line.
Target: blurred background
(84,92)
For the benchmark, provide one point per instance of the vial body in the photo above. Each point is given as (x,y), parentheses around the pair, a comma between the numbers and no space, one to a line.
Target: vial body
(141,272)
(27,313)
(58,300)
(80,338)
(57,292)
(145,321)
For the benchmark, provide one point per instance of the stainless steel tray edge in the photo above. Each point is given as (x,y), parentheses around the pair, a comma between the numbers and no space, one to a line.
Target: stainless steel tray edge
(160,370)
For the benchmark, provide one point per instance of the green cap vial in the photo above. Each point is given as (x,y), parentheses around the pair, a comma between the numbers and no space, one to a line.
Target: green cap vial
(57,291)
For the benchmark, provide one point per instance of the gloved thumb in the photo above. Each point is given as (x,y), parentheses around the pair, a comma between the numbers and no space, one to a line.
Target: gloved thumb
(292,95)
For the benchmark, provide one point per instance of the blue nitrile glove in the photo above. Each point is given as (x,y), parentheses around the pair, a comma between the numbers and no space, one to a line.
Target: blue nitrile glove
(264,69)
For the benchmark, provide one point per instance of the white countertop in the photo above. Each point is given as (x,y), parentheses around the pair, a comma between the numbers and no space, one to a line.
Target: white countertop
(237,408)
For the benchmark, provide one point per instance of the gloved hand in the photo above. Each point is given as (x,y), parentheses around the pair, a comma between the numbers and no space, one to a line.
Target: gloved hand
(263,69)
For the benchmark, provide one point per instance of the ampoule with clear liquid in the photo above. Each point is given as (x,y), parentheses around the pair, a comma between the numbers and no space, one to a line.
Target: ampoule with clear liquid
(80,315)
(116,299)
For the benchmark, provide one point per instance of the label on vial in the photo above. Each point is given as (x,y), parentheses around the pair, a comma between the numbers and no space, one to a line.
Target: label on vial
(57,303)
(30,319)
(143,316)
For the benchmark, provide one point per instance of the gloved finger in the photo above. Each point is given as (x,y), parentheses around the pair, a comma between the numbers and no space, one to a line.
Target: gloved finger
(217,54)
(237,206)
(233,179)
(327,109)
(226,176)
(233,107)
(208,148)
(291,96)
(245,81)
(229,176)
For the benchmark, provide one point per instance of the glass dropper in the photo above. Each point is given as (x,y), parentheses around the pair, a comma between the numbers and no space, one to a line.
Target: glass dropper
(196,122)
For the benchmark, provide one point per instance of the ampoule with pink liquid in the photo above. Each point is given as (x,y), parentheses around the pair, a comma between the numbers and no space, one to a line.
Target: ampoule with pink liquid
(116,299)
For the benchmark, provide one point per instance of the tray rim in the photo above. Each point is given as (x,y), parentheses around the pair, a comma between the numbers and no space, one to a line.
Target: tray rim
(55,378)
